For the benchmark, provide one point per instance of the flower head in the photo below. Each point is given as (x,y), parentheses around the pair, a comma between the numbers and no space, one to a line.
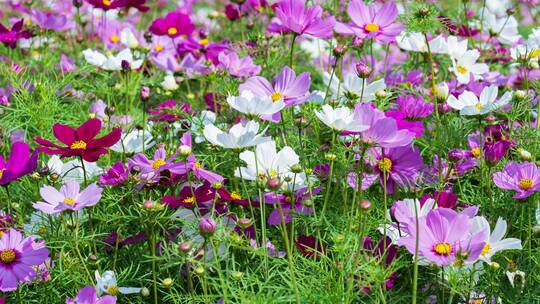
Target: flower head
(251,105)
(341,119)
(292,16)
(88,295)
(174,24)
(236,66)
(69,197)
(19,163)
(469,104)
(106,284)
(239,136)
(10,37)
(523,178)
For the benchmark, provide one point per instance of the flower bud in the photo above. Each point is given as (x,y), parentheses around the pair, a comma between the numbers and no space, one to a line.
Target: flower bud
(456,155)
(169,83)
(441,91)
(297,168)
(339,50)
(199,270)
(244,222)
(525,155)
(207,226)
(77,3)
(185,150)
(520,94)
(145,93)
(330,156)
(55,176)
(125,65)
(381,94)
(365,204)
(273,183)
(339,238)
(495,265)
(534,65)
(184,247)
(145,292)
(167,282)
(148,37)
(307,203)
(237,275)
(217,185)
(510,11)
(363,70)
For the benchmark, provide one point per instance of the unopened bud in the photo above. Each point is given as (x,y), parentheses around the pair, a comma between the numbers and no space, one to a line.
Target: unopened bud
(296,168)
(145,292)
(167,282)
(148,204)
(365,204)
(185,150)
(217,185)
(363,70)
(495,265)
(184,247)
(244,222)
(381,94)
(273,183)
(199,270)
(525,155)
(237,275)
(207,226)
(520,94)
(330,156)
(339,50)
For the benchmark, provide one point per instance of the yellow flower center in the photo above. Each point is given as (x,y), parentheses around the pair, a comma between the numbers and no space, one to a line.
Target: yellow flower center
(276,96)
(172,31)
(479,106)
(273,173)
(1,172)
(462,70)
(107,2)
(371,27)
(159,48)
(189,200)
(534,53)
(69,201)
(7,256)
(486,249)
(443,248)
(235,196)
(475,152)
(114,38)
(113,290)
(204,42)
(158,163)
(197,165)
(526,183)
(385,165)
(79,144)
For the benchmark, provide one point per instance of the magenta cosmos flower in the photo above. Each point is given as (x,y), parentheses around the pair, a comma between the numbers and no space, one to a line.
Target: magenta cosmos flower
(19,163)
(151,169)
(18,258)
(87,295)
(523,178)
(236,66)
(173,25)
(367,22)
(193,165)
(10,37)
(293,90)
(68,198)
(444,237)
(293,16)
(116,175)
(81,141)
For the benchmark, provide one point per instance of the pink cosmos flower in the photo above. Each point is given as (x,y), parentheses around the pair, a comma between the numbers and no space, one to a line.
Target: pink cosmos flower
(68,198)
(236,66)
(151,169)
(196,167)
(19,163)
(10,37)
(116,175)
(174,24)
(293,16)
(523,178)
(18,257)
(369,23)
(87,295)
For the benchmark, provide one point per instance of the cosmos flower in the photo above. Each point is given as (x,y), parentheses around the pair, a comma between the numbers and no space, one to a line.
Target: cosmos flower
(286,201)
(354,87)
(10,37)
(107,4)
(18,257)
(151,170)
(415,42)
(52,21)
(367,22)
(444,238)
(132,142)
(236,66)
(504,28)
(116,175)
(341,119)
(464,66)
(523,178)
(202,49)
(112,62)
(285,86)
(192,165)
(19,163)
(292,16)
(81,141)
(72,170)
(68,198)
(106,284)
(238,137)
(255,106)
(174,24)
(494,240)
(468,104)
(87,295)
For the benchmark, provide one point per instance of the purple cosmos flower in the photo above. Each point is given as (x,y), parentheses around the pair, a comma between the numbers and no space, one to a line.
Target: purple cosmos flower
(448,170)
(384,250)
(66,64)
(169,111)
(114,240)
(52,21)
(444,237)
(414,107)
(18,258)
(10,37)
(193,165)
(68,198)
(19,163)
(286,202)
(173,25)
(151,170)
(116,175)
(367,22)
(87,295)
(401,166)
(293,16)
(293,90)
(497,142)
(523,178)
(444,199)
(236,66)
(202,48)
(6,222)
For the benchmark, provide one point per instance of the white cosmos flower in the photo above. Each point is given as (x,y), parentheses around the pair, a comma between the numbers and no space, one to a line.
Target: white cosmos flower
(132,142)
(341,119)
(72,170)
(112,62)
(413,207)
(198,123)
(498,7)
(128,39)
(352,86)
(494,241)
(469,104)
(504,28)
(456,47)
(238,137)
(169,83)
(465,64)
(415,42)
(106,284)
(249,104)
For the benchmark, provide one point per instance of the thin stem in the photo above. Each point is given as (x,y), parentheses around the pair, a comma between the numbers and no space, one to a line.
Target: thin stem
(288,247)
(329,181)
(291,54)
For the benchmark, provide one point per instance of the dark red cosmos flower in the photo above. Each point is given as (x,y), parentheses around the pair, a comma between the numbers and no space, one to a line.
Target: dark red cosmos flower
(306,244)
(138,4)
(81,141)
(170,111)
(10,37)
(107,4)
(173,25)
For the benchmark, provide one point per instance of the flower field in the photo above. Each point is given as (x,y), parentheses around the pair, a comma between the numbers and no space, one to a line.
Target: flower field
(269,151)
